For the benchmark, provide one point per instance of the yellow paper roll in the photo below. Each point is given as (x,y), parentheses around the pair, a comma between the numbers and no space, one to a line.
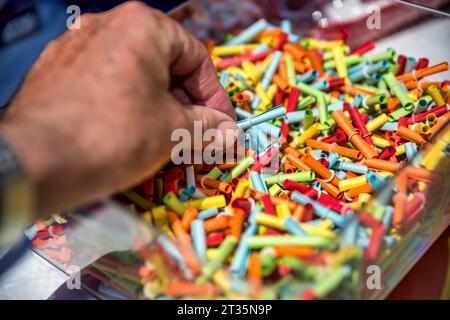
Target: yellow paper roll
(233,50)
(380,141)
(240,189)
(317,231)
(274,190)
(269,221)
(433,90)
(324,45)
(351,183)
(208,202)
(262,95)
(339,58)
(310,133)
(159,215)
(399,150)
(283,210)
(250,71)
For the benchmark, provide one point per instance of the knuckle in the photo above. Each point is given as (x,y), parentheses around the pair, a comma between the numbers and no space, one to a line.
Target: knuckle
(129,15)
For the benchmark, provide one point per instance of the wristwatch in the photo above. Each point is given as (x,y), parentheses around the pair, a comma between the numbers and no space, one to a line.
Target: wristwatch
(16,196)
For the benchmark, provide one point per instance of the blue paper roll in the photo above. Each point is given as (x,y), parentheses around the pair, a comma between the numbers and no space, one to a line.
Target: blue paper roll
(208,213)
(333,157)
(199,239)
(411,150)
(350,166)
(308,76)
(389,126)
(410,64)
(294,228)
(224,78)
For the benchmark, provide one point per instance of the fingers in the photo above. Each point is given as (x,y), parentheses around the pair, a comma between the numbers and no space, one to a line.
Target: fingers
(166,41)
(191,64)
(179,93)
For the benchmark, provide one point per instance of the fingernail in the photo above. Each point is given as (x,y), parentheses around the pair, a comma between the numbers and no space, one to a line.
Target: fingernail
(227,136)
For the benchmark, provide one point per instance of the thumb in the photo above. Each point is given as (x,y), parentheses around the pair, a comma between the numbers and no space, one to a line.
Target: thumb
(215,125)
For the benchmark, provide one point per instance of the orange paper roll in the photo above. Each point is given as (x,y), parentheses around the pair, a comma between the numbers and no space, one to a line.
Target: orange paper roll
(413,84)
(172,217)
(423,174)
(179,289)
(209,192)
(353,134)
(254,274)
(188,253)
(315,62)
(247,193)
(236,222)
(418,74)
(295,51)
(280,82)
(254,267)
(282,71)
(327,147)
(216,224)
(295,251)
(288,149)
(410,135)
(300,67)
(354,90)
(209,44)
(331,189)
(365,188)
(274,32)
(189,215)
(181,234)
(393,104)
(350,174)
(289,167)
(226,166)
(366,149)
(382,165)
(320,169)
(400,200)
(299,213)
(206,181)
(343,122)
(297,162)
(440,123)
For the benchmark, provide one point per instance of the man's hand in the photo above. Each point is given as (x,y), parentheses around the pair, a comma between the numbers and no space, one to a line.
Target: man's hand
(96,112)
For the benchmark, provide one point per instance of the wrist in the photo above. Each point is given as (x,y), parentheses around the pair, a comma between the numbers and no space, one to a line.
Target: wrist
(34,154)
